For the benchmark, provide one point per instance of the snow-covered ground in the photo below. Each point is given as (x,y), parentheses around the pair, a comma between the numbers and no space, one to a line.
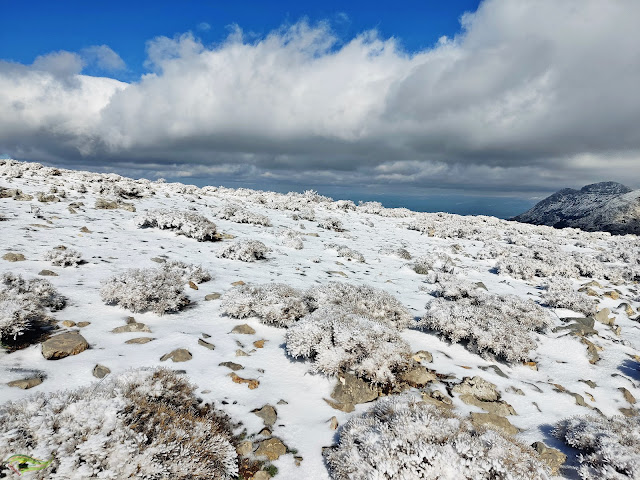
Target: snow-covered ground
(469,247)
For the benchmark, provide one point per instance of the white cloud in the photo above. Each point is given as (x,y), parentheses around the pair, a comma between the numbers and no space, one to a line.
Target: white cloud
(61,64)
(529,94)
(104,57)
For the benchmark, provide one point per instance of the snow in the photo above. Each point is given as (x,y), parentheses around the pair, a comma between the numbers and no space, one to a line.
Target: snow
(115,244)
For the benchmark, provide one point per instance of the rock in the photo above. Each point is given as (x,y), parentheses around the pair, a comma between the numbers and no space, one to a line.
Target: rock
(241,353)
(579,398)
(206,344)
(68,323)
(63,345)
(83,324)
(496,422)
(158,260)
(354,390)
(477,387)
(629,412)
(129,320)
(85,230)
(515,390)
(552,457)
(581,327)
(271,448)
(591,383)
(244,448)
(282,402)
(628,310)
(47,273)
(243,329)
(531,365)
(212,296)
(140,340)
(268,415)
(132,327)
(612,294)
(422,356)
(627,395)
(261,475)
(26,384)
(495,369)
(333,423)
(592,351)
(265,432)
(418,376)
(13,257)
(233,366)
(437,398)
(100,371)
(259,343)
(603,317)
(178,355)
(193,285)
(251,382)
(592,283)
(238,283)
(343,407)
(126,206)
(104,204)
(500,408)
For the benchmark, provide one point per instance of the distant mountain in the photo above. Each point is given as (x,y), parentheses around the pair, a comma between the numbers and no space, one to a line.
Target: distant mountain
(606,206)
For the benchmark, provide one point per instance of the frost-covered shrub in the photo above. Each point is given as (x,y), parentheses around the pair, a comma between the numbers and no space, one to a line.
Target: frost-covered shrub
(396,252)
(503,325)
(346,252)
(244,250)
(335,341)
(24,306)
(609,447)
(437,261)
(237,214)
(331,223)
(189,224)
(159,290)
(402,438)
(559,293)
(188,271)
(62,256)
(362,300)
(305,214)
(142,424)
(273,303)
(290,238)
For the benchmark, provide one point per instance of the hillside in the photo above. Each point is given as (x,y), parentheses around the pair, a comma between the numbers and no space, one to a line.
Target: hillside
(295,315)
(606,206)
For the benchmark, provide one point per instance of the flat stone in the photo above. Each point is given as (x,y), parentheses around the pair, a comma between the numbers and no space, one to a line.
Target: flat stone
(212,296)
(343,407)
(26,384)
(68,323)
(333,423)
(244,448)
(552,457)
(629,412)
(272,448)
(132,327)
(423,356)
(627,395)
(577,328)
(100,371)
(233,366)
(591,383)
(438,399)
(259,343)
(612,294)
(592,351)
(243,329)
(178,355)
(418,376)
(252,383)
(64,345)
(13,257)
(85,230)
(193,285)
(353,390)
(496,422)
(603,317)
(83,324)
(140,340)
(158,260)
(206,344)
(268,415)
(261,475)
(238,283)
(47,273)
(500,408)
(495,369)
(241,353)
(477,387)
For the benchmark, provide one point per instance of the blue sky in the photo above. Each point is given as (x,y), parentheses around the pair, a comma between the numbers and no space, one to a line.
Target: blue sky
(476,107)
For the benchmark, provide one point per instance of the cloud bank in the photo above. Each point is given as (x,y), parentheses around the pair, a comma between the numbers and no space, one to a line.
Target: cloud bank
(529,96)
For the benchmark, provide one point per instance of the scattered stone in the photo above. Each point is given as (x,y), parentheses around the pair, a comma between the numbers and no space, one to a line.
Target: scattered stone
(68,323)
(268,415)
(158,260)
(493,421)
(495,369)
(418,376)
(353,390)
(206,344)
(603,317)
(13,257)
(26,384)
(335,272)
(251,382)
(628,310)
(500,408)
(592,384)
(212,296)
(244,448)
(271,448)
(261,475)
(100,371)
(629,412)
(343,407)
(297,460)
(333,423)
(580,327)
(83,324)
(47,273)
(63,345)
(422,356)
(481,285)
(579,398)
(552,457)
(477,387)
(130,320)
(243,329)
(233,366)
(178,355)
(193,285)
(104,204)
(515,390)
(259,343)
(238,283)
(265,432)
(282,402)
(132,327)
(627,395)
(85,230)
(531,365)
(592,351)
(140,340)
(592,283)
(612,294)
(241,353)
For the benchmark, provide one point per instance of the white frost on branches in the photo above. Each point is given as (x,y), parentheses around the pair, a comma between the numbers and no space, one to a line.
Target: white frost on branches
(244,250)
(63,257)
(189,224)
(237,214)
(346,252)
(559,293)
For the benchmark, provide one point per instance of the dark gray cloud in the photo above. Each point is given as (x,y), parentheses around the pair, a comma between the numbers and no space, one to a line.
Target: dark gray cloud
(530,96)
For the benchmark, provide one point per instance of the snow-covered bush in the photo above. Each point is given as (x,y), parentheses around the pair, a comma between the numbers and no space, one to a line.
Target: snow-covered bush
(142,424)
(140,289)
(609,447)
(362,300)
(237,214)
(559,293)
(290,238)
(335,340)
(244,250)
(396,252)
(346,252)
(273,303)
(62,256)
(24,306)
(402,438)
(189,224)
(503,325)
(331,223)
(188,271)
(437,261)
(308,214)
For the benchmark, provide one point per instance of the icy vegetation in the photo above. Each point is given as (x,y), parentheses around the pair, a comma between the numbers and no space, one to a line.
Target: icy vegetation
(346,252)
(400,437)
(237,214)
(189,224)
(244,250)
(143,424)
(62,256)
(609,447)
(560,293)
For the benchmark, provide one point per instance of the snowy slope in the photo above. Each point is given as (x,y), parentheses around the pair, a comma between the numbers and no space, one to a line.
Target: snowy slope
(478,249)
